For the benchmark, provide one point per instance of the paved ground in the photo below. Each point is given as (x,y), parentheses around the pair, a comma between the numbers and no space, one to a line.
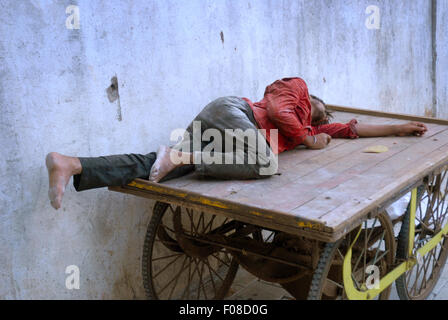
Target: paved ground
(247,287)
(440,292)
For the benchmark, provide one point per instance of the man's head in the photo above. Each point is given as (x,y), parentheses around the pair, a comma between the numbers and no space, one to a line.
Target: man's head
(319,113)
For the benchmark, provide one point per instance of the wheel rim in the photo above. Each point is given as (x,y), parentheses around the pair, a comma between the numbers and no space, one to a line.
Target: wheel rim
(180,267)
(375,246)
(431,216)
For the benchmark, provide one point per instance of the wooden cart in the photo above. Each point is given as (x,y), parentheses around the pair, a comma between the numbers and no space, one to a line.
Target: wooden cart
(319,228)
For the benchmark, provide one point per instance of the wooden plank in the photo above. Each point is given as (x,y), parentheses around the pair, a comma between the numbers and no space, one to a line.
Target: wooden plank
(297,185)
(387,114)
(289,188)
(258,216)
(360,210)
(306,180)
(345,117)
(335,205)
(376,178)
(301,157)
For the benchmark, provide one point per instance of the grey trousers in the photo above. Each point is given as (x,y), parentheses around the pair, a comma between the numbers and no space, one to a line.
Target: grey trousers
(223,137)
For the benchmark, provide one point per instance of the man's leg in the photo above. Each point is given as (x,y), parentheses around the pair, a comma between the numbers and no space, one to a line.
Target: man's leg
(250,155)
(114,170)
(226,113)
(249,160)
(97,172)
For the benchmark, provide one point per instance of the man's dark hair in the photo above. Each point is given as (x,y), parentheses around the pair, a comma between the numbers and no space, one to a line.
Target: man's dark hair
(328,113)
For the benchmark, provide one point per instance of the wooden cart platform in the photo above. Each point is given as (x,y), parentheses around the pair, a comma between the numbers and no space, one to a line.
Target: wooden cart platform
(321,194)
(318,228)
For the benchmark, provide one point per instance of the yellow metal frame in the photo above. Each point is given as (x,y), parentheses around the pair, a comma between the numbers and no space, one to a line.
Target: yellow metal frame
(354,294)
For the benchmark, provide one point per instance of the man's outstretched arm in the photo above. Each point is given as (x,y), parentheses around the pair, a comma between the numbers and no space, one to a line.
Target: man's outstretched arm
(374,130)
(354,129)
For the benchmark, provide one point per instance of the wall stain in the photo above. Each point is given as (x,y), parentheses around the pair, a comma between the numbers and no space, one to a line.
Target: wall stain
(114,95)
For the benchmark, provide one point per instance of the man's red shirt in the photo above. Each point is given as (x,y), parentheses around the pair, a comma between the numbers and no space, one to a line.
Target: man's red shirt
(286,106)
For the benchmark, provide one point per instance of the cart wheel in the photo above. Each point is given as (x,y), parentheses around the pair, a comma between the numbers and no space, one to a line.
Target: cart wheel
(374,246)
(431,216)
(175,266)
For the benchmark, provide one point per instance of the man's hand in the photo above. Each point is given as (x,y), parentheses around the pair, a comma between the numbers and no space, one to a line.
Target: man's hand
(412,128)
(319,141)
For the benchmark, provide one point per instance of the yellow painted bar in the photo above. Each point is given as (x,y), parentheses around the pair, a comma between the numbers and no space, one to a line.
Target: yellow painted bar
(387,280)
(433,242)
(412,221)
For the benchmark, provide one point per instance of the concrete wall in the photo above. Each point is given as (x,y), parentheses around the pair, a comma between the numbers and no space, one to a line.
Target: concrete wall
(441,65)
(170,58)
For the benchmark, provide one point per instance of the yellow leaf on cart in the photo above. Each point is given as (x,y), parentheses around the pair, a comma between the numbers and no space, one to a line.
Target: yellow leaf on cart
(376,149)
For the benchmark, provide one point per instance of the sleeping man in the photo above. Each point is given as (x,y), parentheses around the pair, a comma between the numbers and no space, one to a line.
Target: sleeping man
(285,118)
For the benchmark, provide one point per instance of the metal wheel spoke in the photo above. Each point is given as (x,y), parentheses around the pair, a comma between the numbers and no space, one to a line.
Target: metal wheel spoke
(340,254)
(191,219)
(432,206)
(187,288)
(166,257)
(195,269)
(356,282)
(185,275)
(171,208)
(444,201)
(378,248)
(437,211)
(217,274)
(209,226)
(365,254)
(413,288)
(203,286)
(155,276)
(203,225)
(408,276)
(220,260)
(424,269)
(359,259)
(382,255)
(175,278)
(199,277)
(190,214)
(201,218)
(211,276)
(335,283)
(200,280)
(169,229)
(373,244)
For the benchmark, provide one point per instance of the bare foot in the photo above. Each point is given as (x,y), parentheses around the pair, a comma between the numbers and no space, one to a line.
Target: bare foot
(164,163)
(60,169)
